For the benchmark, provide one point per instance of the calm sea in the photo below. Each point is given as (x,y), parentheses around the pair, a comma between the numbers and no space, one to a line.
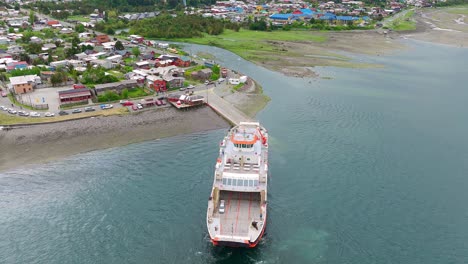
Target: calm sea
(368,167)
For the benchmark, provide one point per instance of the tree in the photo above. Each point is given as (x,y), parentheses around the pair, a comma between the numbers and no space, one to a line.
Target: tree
(136,51)
(58,77)
(25,57)
(125,94)
(34,48)
(32,17)
(119,45)
(80,28)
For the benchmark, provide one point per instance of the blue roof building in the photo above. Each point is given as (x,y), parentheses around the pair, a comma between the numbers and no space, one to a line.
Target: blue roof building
(281,16)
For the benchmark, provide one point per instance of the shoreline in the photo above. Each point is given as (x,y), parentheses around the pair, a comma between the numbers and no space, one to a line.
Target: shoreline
(47,142)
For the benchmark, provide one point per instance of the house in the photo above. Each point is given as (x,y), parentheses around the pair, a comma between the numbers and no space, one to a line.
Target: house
(123,53)
(108,46)
(103,63)
(102,39)
(54,23)
(76,63)
(117,86)
(163,45)
(46,75)
(66,31)
(115,58)
(49,46)
(183,61)
(156,83)
(163,63)
(84,35)
(202,74)
(17,65)
(142,64)
(24,84)
(36,40)
(173,82)
(57,64)
(147,56)
(4,41)
(74,96)
(281,18)
(14,49)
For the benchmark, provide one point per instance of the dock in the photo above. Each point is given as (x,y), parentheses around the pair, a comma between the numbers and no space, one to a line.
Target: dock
(225,109)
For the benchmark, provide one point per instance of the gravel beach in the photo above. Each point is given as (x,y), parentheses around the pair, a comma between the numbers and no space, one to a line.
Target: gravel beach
(45,142)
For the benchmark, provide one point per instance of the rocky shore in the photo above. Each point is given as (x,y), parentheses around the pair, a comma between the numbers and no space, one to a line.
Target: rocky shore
(45,142)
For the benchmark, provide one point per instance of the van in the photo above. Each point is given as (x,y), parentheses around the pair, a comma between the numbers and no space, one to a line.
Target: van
(221,207)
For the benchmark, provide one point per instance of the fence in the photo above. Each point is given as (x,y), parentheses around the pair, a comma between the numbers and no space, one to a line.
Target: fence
(48,85)
(27,101)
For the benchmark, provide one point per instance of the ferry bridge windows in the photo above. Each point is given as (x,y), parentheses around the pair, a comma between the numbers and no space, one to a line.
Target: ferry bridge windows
(245,146)
(240,182)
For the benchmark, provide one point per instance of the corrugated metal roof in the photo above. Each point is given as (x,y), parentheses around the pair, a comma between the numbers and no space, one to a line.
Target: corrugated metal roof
(281,16)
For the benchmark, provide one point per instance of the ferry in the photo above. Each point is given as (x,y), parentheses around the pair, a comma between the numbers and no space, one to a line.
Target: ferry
(237,206)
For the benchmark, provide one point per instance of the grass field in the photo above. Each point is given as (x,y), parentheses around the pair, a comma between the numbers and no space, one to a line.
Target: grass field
(459,10)
(247,43)
(7,119)
(79,18)
(404,23)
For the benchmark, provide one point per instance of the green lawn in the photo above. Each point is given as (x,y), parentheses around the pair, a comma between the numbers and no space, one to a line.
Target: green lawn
(247,43)
(459,10)
(404,23)
(117,74)
(80,18)
(136,92)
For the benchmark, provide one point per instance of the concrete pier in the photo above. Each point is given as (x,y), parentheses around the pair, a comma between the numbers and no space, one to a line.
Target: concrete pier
(225,109)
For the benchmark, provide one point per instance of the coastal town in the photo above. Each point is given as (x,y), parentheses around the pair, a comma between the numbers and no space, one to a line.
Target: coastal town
(135,73)
(52,67)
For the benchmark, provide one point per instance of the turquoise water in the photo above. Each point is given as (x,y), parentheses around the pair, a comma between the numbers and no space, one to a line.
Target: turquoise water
(368,167)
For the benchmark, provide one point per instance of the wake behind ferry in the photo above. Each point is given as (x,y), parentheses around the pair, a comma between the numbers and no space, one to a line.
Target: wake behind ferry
(237,207)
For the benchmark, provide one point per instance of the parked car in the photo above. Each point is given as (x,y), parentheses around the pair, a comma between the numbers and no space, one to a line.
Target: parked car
(76,111)
(182,89)
(221,207)
(23,113)
(134,108)
(207,82)
(89,109)
(106,106)
(4,94)
(34,114)
(139,106)
(49,114)
(12,111)
(127,103)
(163,102)
(158,102)
(3,108)
(63,113)
(190,87)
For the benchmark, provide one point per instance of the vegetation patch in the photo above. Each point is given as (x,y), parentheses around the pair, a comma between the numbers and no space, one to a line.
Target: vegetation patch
(246,43)
(404,23)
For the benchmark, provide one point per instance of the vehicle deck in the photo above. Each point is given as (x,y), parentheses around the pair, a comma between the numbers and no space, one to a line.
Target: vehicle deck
(241,209)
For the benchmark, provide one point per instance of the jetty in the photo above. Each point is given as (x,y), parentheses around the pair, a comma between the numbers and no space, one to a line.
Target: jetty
(225,109)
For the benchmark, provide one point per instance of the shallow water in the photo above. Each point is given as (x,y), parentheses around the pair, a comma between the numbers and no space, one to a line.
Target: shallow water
(368,167)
